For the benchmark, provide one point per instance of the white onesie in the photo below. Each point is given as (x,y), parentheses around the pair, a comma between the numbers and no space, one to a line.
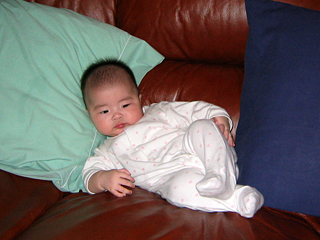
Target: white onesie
(177,151)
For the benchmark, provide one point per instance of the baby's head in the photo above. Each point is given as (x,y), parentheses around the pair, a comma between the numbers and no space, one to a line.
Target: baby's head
(111,96)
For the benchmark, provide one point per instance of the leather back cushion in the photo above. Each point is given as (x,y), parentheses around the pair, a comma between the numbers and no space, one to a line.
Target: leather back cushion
(203,30)
(102,10)
(210,31)
(185,81)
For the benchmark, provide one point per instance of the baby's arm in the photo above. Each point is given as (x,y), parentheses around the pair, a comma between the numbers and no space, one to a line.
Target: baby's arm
(204,110)
(100,173)
(116,181)
(224,126)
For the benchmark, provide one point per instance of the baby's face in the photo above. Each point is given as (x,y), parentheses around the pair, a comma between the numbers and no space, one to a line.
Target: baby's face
(112,108)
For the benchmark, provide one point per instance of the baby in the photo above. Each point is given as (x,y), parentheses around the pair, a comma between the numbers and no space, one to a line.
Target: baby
(180,150)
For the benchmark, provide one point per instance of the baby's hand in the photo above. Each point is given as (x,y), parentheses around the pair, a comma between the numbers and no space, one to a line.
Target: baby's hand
(117,181)
(224,126)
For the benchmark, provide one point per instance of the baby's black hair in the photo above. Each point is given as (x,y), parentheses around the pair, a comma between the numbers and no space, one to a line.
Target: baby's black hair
(100,76)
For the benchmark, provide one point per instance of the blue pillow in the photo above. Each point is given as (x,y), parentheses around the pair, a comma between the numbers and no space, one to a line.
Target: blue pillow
(278,137)
(45,131)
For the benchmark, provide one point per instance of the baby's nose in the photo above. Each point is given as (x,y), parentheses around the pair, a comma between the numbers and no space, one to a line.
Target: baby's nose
(117,115)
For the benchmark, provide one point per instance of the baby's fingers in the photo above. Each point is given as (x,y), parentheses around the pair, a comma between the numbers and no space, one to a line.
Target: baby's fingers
(124,171)
(117,193)
(120,192)
(125,174)
(126,188)
(226,133)
(230,140)
(122,188)
(127,182)
(224,130)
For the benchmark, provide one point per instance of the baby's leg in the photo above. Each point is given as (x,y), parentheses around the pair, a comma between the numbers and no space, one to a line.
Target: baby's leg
(180,190)
(204,139)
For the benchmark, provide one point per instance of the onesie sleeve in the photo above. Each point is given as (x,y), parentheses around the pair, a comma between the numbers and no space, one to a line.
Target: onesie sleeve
(207,110)
(102,160)
(192,111)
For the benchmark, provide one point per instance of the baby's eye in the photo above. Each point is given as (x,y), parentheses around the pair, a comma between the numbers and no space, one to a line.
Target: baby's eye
(126,105)
(105,111)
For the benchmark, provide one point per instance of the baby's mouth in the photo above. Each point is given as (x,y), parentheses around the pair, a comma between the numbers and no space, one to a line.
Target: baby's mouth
(120,125)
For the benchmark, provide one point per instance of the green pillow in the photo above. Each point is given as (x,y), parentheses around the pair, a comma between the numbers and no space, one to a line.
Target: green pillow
(45,131)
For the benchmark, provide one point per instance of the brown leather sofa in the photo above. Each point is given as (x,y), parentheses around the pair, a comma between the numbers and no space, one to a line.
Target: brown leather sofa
(204,45)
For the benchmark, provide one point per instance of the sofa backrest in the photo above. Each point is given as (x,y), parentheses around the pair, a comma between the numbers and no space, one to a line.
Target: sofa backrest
(200,31)
(102,10)
(203,42)
(203,30)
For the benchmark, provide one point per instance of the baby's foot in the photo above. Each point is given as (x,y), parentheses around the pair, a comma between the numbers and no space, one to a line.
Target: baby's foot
(249,201)
(214,186)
